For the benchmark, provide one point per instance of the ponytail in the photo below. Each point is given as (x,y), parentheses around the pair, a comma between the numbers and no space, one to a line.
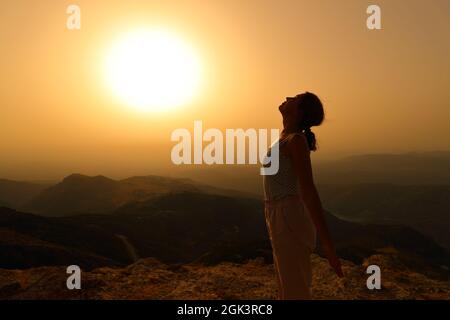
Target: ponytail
(313,115)
(311,138)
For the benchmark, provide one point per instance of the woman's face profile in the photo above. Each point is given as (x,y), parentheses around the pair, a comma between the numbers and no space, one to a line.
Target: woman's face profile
(290,111)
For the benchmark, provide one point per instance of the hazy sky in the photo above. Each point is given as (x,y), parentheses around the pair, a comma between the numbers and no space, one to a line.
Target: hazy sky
(384,90)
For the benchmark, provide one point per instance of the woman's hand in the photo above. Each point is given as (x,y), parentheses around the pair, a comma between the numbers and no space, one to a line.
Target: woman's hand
(335,263)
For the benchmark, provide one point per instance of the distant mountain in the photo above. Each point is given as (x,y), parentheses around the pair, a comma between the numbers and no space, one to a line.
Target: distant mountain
(185,227)
(28,240)
(413,168)
(16,193)
(244,178)
(83,194)
(77,194)
(425,208)
(356,241)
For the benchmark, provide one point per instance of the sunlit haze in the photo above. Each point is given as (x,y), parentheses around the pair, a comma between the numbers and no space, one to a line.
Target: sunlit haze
(74,100)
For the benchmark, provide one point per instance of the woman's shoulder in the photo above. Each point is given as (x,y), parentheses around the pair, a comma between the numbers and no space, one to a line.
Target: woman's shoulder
(295,136)
(297,140)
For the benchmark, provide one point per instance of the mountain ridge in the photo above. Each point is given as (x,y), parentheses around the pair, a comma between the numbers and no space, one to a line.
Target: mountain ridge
(77,193)
(183,227)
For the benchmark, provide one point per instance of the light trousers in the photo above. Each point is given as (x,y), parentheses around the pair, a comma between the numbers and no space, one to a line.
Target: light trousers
(293,238)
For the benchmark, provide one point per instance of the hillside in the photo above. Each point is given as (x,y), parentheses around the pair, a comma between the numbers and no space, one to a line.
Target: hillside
(424,208)
(189,227)
(151,279)
(27,240)
(16,193)
(78,194)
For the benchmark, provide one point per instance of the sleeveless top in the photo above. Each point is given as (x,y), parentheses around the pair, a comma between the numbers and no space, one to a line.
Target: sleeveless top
(285,181)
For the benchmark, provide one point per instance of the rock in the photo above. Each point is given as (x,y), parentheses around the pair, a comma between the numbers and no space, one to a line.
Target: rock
(151,279)
(9,289)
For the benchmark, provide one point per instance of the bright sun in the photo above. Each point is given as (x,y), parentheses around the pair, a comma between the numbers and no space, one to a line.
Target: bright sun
(153,70)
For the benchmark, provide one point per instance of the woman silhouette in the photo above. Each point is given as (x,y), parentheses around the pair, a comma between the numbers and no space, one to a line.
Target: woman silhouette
(293,209)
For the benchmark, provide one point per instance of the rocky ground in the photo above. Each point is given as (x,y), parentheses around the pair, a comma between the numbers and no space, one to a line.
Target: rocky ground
(150,279)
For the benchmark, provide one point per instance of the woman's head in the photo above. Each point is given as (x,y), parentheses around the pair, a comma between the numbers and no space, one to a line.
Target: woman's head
(301,113)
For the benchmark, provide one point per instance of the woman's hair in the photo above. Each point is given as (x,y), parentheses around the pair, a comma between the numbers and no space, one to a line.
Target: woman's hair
(313,115)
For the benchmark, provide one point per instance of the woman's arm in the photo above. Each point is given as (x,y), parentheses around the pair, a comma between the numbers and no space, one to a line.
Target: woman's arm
(299,151)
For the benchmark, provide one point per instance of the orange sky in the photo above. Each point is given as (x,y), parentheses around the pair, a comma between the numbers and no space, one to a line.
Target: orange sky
(384,91)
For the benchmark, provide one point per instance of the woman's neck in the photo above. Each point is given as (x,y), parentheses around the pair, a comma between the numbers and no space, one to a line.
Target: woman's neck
(289,129)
